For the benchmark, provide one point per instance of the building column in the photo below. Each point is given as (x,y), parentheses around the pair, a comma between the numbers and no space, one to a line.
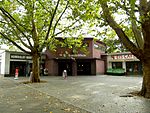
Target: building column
(93,67)
(109,65)
(74,68)
(124,65)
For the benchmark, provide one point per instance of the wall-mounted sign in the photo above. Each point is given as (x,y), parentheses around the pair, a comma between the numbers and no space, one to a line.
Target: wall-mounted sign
(126,56)
(23,57)
(73,55)
(78,55)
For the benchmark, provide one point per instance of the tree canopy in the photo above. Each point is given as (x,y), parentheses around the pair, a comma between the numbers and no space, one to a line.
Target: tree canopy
(130,19)
(106,14)
(33,25)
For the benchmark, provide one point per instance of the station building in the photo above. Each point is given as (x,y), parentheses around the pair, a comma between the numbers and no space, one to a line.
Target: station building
(90,63)
(94,62)
(10,60)
(125,60)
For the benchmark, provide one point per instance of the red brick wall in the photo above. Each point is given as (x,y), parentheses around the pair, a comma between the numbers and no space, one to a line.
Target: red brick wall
(52,67)
(61,51)
(96,53)
(100,69)
(97,67)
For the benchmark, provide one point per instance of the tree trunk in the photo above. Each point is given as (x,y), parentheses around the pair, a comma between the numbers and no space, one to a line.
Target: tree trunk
(145,91)
(35,68)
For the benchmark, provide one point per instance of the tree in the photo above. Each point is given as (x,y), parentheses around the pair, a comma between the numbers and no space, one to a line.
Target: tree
(133,14)
(33,25)
(130,19)
(109,37)
(114,47)
(141,33)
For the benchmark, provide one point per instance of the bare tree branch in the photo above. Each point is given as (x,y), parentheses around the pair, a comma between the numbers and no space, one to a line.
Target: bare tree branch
(121,34)
(51,21)
(7,38)
(137,32)
(3,22)
(137,35)
(21,2)
(16,34)
(50,25)
(66,28)
(128,10)
(14,23)
(45,8)
(60,16)
(13,31)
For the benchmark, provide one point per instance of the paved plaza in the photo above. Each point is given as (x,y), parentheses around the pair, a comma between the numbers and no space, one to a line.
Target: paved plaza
(76,94)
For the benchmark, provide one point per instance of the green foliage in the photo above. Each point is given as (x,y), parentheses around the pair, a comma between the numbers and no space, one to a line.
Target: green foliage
(35,24)
(125,14)
(65,19)
(75,44)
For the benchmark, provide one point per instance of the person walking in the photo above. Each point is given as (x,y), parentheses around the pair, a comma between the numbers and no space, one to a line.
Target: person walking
(16,73)
(46,72)
(64,74)
(31,76)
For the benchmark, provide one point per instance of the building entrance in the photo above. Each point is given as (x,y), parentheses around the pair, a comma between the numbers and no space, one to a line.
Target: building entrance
(22,66)
(65,65)
(83,68)
(134,68)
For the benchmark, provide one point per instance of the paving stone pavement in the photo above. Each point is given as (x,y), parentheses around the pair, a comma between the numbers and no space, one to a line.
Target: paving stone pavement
(93,94)
(16,97)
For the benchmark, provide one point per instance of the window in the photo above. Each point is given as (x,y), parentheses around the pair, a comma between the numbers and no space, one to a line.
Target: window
(116,64)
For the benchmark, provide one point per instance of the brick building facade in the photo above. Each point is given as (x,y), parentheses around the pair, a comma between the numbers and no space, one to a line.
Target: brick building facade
(90,63)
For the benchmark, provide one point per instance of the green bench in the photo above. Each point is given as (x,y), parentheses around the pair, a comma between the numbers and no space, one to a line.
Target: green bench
(115,71)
